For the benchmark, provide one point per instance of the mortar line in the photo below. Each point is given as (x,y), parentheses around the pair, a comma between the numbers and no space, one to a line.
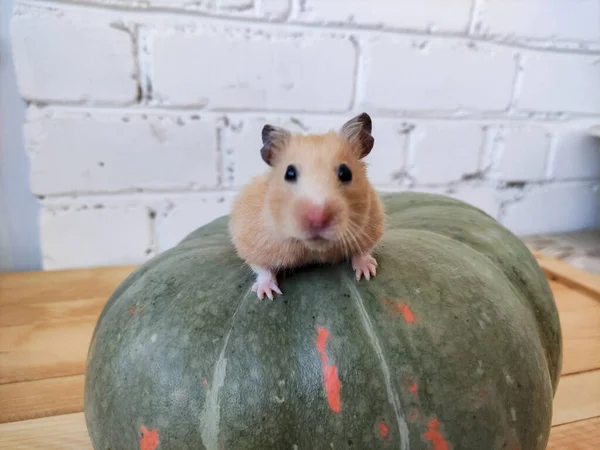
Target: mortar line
(517,84)
(472,116)
(88,197)
(551,157)
(290,26)
(359,75)
(145,64)
(476,8)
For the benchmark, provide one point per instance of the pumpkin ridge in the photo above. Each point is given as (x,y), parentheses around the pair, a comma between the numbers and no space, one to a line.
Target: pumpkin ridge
(392,394)
(504,250)
(210,417)
(515,289)
(473,365)
(462,244)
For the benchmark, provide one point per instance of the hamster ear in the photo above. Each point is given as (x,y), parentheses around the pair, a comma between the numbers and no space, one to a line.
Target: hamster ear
(358,131)
(274,139)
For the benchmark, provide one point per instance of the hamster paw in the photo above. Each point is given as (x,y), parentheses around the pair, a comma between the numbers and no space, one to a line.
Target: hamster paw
(266,283)
(364,265)
(263,287)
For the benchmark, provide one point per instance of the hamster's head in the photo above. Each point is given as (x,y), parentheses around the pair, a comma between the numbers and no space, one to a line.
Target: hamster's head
(318,191)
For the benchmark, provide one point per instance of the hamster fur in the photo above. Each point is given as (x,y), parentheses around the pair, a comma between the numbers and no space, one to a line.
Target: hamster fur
(314,205)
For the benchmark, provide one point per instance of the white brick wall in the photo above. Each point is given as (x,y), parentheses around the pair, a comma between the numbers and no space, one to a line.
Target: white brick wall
(577,156)
(119,151)
(143,124)
(416,73)
(183,213)
(541,19)
(82,59)
(404,15)
(456,148)
(544,209)
(560,83)
(98,233)
(246,9)
(237,69)
(521,152)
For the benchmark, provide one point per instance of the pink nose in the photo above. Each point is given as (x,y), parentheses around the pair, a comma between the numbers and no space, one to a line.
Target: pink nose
(318,217)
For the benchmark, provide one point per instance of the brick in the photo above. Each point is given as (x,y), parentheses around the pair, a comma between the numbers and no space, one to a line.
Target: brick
(187,213)
(445,152)
(72,57)
(541,19)
(554,208)
(110,152)
(237,69)
(433,74)
(96,235)
(274,9)
(489,200)
(266,9)
(225,5)
(560,83)
(431,15)
(242,142)
(577,155)
(386,163)
(522,154)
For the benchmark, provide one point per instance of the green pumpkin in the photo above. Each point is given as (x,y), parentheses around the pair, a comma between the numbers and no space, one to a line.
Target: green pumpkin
(455,344)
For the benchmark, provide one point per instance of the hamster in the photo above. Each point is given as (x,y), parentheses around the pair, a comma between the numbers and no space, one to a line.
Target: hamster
(314,205)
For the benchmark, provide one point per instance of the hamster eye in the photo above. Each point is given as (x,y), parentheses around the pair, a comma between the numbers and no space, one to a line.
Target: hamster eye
(291,174)
(344,173)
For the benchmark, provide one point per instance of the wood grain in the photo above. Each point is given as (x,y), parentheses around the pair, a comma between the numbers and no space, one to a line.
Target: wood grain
(65,432)
(577,397)
(47,320)
(582,435)
(69,432)
(49,340)
(568,274)
(579,316)
(24,288)
(41,398)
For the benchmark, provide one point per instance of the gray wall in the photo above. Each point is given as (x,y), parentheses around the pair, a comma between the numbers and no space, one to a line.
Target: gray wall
(19,211)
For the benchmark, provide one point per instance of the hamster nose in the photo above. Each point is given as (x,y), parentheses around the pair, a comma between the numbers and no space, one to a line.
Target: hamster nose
(318,217)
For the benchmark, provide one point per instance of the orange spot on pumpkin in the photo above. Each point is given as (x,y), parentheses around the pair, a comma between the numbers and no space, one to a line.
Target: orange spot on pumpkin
(434,435)
(149,439)
(410,384)
(402,308)
(330,375)
(322,335)
(413,416)
(383,430)
(406,312)
(131,311)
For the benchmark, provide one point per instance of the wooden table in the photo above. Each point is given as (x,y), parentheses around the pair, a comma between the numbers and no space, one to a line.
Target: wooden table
(47,318)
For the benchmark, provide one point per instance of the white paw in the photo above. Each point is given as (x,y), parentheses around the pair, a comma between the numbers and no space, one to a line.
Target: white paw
(266,282)
(265,286)
(364,265)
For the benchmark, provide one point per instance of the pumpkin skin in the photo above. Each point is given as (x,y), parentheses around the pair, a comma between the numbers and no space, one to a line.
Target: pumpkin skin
(455,344)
